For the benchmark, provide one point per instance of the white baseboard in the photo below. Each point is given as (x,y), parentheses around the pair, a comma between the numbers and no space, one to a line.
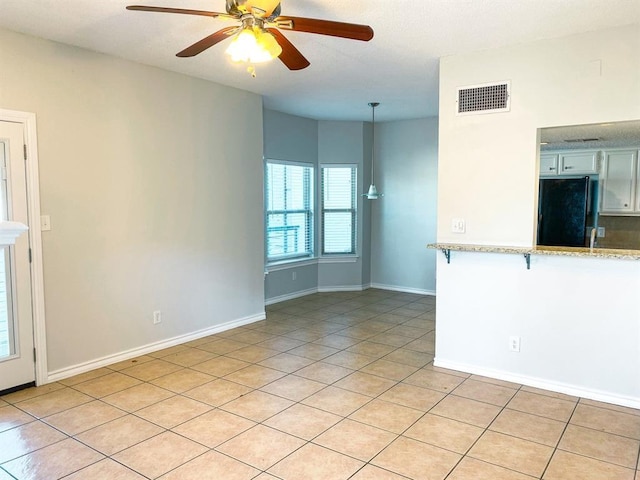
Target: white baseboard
(348,288)
(290,296)
(568,389)
(395,288)
(311,291)
(149,348)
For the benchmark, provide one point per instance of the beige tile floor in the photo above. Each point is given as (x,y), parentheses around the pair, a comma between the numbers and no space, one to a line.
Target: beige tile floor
(329,387)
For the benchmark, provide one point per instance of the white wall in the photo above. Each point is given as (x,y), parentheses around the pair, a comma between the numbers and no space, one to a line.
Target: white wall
(492,158)
(404,220)
(580,330)
(578,320)
(143,173)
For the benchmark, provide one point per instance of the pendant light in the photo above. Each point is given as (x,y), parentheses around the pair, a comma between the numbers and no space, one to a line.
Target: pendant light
(373,194)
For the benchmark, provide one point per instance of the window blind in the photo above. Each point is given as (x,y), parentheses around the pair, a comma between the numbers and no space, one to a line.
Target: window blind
(289,211)
(339,209)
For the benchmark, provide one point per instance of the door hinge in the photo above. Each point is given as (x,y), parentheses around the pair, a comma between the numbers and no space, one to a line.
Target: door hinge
(34,354)
(25,151)
(30,258)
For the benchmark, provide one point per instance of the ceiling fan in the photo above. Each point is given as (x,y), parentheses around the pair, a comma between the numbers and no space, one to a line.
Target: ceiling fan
(261,20)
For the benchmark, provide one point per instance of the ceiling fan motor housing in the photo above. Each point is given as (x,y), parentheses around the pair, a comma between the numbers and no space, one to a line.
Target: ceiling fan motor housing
(267,9)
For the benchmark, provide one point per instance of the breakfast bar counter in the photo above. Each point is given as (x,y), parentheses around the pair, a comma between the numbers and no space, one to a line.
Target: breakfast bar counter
(612,253)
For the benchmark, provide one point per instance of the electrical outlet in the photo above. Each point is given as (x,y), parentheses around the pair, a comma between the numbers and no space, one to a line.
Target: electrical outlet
(157,317)
(458,225)
(601,232)
(514,344)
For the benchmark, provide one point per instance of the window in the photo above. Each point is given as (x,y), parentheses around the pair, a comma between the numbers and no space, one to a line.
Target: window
(289,210)
(339,209)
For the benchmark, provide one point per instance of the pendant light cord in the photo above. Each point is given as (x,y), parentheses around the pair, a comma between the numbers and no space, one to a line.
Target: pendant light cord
(373,106)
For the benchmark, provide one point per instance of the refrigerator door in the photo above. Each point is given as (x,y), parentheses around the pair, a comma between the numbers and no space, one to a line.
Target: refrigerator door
(562,211)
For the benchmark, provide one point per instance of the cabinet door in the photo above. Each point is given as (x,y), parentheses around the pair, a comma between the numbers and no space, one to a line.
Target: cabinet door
(618,182)
(579,162)
(548,164)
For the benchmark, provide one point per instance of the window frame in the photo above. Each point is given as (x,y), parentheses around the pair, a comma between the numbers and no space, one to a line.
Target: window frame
(353,210)
(309,212)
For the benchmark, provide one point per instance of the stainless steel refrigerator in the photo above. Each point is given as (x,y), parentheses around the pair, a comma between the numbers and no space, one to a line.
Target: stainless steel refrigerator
(563,206)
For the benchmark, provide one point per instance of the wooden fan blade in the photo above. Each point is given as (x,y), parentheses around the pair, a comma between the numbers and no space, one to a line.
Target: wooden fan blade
(204,13)
(290,56)
(207,42)
(326,27)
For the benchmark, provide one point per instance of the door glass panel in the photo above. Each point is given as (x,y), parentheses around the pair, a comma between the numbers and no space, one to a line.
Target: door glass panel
(7,343)
(7,327)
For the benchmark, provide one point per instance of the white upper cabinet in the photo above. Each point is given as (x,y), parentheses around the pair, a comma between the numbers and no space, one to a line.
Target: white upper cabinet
(619,183)
(569,163)
(578,163)
(548,163)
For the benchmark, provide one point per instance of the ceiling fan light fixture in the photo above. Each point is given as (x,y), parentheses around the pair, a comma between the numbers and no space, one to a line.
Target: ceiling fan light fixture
(269,43)
(258,39)
(253,45)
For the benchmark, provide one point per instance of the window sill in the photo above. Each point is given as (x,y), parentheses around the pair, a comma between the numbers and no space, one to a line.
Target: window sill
(303,262)
(339,259)
(284,264)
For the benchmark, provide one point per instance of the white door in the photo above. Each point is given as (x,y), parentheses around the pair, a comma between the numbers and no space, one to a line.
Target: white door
(17,365)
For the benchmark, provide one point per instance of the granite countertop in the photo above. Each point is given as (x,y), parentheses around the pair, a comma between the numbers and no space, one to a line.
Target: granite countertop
(542,250)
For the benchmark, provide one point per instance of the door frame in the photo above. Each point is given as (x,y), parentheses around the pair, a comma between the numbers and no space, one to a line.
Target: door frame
(28,121)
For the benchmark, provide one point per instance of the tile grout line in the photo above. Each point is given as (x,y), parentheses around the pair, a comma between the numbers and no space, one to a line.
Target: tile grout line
(307,442)
(487,429)
(323,334)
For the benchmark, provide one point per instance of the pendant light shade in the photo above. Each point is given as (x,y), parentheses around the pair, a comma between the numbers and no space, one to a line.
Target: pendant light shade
(372,193)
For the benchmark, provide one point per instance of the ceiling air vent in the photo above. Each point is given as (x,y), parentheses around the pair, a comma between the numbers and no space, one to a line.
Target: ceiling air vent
(582,140)
(484,98)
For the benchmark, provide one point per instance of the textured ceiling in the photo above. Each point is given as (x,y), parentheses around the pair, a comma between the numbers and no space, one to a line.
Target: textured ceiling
(598,135)
(398,68)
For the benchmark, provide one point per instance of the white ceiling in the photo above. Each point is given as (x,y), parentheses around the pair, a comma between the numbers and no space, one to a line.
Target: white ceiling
(597,136)
(398,68)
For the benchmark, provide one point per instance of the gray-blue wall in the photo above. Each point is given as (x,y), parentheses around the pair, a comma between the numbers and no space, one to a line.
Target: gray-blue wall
(404,221)
(287,137)
(392,232)
(343,143)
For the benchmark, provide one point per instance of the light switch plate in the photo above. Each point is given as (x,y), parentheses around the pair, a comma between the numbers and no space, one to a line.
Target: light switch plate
(45,223)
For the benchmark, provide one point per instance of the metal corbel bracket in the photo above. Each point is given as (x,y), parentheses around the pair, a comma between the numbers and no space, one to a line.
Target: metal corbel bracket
(447,255)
